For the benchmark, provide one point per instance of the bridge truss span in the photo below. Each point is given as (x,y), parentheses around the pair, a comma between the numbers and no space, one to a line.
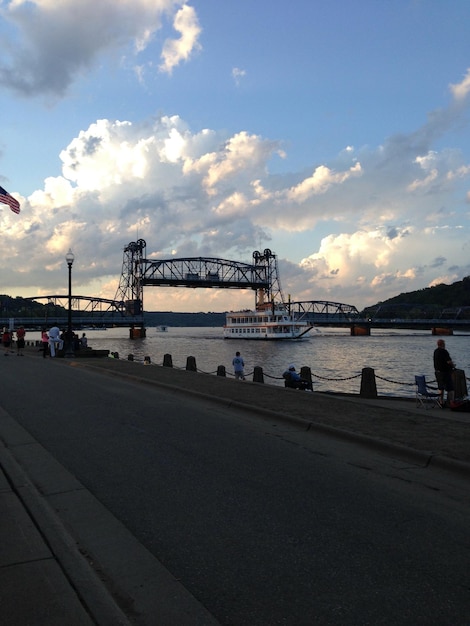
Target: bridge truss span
(324,311)
(138,271)
(203,272)
(84,304)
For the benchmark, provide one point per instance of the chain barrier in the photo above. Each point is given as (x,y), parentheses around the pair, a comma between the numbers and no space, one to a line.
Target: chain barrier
(273,377)
(336,379)
(395,382)
(326,378)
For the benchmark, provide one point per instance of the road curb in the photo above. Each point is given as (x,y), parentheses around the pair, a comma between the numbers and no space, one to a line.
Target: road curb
(92,592)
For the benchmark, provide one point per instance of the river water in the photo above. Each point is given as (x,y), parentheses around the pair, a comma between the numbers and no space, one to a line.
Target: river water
(335,358)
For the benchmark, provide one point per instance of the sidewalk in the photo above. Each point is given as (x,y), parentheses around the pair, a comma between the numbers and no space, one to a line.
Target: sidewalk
(44,580)
(35,584)
(396,421)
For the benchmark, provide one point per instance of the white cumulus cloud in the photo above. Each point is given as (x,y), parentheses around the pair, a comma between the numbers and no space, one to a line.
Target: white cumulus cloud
(177,50)
(390,211)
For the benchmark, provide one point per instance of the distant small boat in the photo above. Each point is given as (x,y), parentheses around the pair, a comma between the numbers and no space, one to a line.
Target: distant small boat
(94,328)
(161,329)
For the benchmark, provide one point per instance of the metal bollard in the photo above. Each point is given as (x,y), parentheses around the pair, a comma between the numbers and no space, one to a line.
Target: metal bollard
(460,384)
(368,384)
(167,360)
(191,364)
(258,374)
(221,370)
(306,374)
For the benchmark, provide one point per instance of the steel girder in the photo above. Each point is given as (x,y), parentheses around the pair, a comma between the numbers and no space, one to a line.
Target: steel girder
(204,272)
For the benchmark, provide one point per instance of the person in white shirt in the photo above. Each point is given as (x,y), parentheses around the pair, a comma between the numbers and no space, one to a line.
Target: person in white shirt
(55,342)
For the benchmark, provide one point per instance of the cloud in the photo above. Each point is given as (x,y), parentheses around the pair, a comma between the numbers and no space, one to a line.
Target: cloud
(237,75)
(369,266)
(230,162)
(55,42)
(460,90)
(390,215)
(177,50)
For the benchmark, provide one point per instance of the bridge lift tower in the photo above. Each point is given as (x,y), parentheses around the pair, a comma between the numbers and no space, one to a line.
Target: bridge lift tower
(130,290)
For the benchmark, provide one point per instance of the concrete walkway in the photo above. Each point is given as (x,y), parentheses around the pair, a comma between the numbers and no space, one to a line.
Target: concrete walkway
(44,580)
(435,433)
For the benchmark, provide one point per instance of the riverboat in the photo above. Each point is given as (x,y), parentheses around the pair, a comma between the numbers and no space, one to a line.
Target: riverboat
(272,317)
(271,321)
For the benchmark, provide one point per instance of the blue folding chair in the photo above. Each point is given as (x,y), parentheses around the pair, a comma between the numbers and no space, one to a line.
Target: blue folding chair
(424,397)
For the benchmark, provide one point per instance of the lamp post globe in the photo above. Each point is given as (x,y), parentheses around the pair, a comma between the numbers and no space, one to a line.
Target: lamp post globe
(69,350)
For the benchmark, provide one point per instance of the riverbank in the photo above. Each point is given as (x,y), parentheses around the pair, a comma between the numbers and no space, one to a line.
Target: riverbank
(336,359)
(435,434)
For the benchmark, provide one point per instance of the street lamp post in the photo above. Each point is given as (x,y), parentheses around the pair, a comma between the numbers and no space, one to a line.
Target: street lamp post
(69,351)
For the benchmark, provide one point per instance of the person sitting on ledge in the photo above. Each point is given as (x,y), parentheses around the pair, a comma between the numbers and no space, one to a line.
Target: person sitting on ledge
(294,380)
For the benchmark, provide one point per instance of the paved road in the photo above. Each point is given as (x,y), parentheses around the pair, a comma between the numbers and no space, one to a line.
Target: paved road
(263,524)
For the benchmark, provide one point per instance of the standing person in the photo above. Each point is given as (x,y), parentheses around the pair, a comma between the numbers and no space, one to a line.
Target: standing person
(55,340)
(45,342)
(443,368)
(6,340)
(84,341)
(20,334)
(238,366)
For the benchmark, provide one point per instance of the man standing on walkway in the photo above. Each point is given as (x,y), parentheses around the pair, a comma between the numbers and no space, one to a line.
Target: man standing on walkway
(443,368)
(238,366)
(55,342)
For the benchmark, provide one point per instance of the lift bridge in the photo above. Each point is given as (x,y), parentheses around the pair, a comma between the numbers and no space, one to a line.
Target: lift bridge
(261,275)
(127,309)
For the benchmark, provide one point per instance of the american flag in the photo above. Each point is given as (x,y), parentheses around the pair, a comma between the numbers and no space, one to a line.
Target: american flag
(10,200)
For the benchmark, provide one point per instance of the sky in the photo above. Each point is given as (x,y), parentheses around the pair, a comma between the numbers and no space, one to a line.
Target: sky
(335,133)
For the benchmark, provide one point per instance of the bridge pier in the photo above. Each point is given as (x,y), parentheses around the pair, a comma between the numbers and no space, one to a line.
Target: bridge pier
(441,331)
(360,330)
(137,333)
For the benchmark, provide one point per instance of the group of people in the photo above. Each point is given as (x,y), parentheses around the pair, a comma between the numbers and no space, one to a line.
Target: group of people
(443,368)
(53,341)
(291,376)
(8,337)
